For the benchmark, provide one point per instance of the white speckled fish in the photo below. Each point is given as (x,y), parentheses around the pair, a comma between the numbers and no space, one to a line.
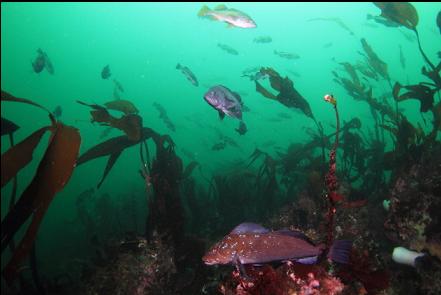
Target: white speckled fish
(250,243)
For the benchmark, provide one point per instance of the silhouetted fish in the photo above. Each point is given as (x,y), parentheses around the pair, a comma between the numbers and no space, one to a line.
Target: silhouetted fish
(41,62)
(105,73)
(57,112)
(188,74)
(228,49)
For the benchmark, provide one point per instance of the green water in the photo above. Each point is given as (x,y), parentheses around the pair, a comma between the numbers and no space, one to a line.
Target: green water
(143,42)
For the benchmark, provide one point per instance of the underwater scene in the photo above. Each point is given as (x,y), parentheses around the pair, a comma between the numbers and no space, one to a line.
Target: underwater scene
(221,148)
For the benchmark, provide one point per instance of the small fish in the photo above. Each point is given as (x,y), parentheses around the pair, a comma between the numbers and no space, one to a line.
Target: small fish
(105,73)
(49,66)
(251,243)
(294,73)
(327,45)
(188,74)
(116,95)
(402,59)
(218,146)
(118,85)
(336,20)
(228,49)
(250,70)
(233,17)
(226,102)
(382,20)
(42,62)
(263,39)
(164,117)
(57,112)
(39,62)
(286,55)
(242,128)
(257,76)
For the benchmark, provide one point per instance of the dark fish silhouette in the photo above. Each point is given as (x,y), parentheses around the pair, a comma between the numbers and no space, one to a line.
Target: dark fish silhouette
(57,112)
(188,74)
(242,129)
(105,73)
(42,62)
(263,39)
(286,55)
(219,146)
(118,85)
(163,115)
(227,48)
(402,59)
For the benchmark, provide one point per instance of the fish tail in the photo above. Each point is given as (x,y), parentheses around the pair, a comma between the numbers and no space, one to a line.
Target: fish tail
(340,250)
(204,10)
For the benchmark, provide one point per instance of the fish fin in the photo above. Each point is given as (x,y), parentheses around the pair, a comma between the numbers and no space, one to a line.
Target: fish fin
(307,260)
(245,108)
(204,10)
(240,267)
(221,115)
(229,26)
(249,227)
(340,250)
(178,66)
(220,7)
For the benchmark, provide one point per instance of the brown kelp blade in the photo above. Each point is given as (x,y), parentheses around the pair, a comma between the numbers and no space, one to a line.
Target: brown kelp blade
(421,92)
(264,92)
(18,156)
(9,97)
(8,127)
(122,105)
(53,172)
(288,95)
(113,147)
(130,124)
(402,13)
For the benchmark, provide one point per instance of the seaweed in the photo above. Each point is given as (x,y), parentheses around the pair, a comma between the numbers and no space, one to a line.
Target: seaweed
(113,148)
(288,95)
(130,124)
(420,92)
(52,174)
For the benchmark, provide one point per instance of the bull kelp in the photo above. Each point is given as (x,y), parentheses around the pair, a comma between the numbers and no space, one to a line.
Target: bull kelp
(228,148)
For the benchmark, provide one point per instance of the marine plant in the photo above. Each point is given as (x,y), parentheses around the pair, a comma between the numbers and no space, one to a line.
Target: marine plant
(53,173)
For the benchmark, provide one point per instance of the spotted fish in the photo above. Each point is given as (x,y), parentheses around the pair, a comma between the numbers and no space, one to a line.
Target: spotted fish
(251,243)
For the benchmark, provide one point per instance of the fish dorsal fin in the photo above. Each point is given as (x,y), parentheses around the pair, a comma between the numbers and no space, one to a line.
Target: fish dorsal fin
(249,227)
(220,7)
(294,234)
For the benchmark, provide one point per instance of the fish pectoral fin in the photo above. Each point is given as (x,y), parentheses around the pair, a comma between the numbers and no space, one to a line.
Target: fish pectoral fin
(221,115)
(240,267)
